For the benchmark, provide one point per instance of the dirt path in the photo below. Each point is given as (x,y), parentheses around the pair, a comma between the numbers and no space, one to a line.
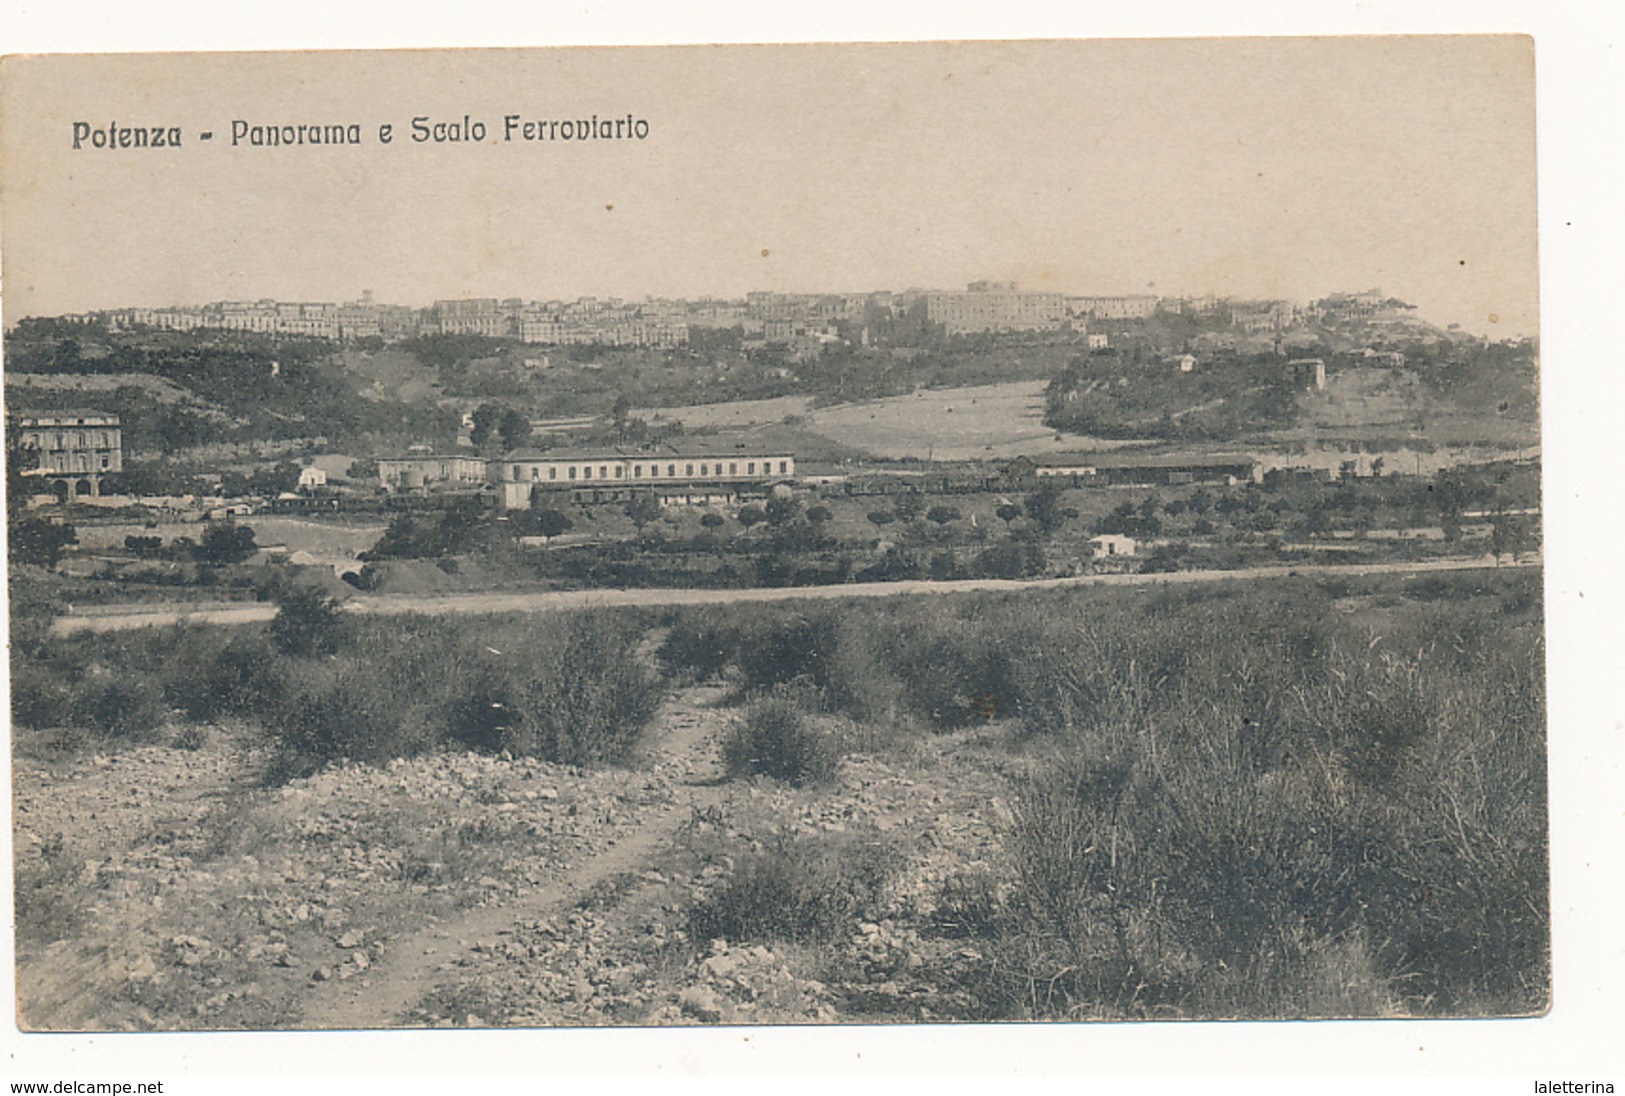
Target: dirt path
(684,744)
(115,618)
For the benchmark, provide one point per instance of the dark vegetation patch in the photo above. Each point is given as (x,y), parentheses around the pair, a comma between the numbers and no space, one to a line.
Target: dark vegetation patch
(325,685)
(1246,803)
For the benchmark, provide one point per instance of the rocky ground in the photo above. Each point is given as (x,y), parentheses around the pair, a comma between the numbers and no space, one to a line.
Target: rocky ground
(174,887)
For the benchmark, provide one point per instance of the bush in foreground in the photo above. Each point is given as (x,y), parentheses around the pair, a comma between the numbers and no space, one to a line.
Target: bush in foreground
(810,889)
(776,738)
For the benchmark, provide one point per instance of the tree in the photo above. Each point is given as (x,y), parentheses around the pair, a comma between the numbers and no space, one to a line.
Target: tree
(882,517)
(30,539)
(1044,507)
(41,543)
(782,509)
(307,622)
(908,506)
(227,543)
(273,481)
(485,419)
(819,514)
(942,515)
(752,515)
(713,521)
(514,429)
(1007,512)
(643,509)
(1511,535)
(549,523)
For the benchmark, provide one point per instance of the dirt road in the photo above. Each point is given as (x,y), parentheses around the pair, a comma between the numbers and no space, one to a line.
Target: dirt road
(115,618)
(683,744)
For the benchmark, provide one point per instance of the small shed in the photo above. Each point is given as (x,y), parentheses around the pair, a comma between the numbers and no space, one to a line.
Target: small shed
(1112,545)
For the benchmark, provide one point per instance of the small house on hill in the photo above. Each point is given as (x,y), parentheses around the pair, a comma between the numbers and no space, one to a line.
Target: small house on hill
(1112,545)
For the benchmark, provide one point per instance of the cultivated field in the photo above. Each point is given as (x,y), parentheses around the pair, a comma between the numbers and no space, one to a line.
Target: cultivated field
(993,421)
(990,421)
(330,541)
(732,414)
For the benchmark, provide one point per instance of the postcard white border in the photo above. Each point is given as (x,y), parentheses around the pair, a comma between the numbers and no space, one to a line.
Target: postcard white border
(1578,78)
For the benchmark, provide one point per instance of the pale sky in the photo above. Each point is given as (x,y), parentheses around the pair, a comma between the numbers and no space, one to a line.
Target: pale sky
(1246,167)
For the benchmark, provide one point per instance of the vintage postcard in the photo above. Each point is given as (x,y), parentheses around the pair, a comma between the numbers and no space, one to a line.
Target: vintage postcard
(785,535)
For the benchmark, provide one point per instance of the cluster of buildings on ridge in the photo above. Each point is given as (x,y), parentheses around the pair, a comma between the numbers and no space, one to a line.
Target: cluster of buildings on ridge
(800,320)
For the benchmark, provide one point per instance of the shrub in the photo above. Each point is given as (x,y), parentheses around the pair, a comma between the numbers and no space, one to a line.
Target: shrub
(49,895)
(119,706)
(573,694)
(307,623)
(41,693)
(345,708)
(968,906)
(235,673)
(39,542)
(810,889)
(586,699)
(228,543)
(700,642)
(1242,827)
(775,738)
(776,649)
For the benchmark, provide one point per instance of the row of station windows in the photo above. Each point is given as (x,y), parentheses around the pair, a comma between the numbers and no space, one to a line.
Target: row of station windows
(653,471)
(64,442)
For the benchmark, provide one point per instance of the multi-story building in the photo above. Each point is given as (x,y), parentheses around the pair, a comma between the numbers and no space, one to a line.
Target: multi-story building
(1351,306)
(675,476)
(360,319)
(1258,316)
(1135,307)
(474,316)
(75,448)
(426,472)
(995,306)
